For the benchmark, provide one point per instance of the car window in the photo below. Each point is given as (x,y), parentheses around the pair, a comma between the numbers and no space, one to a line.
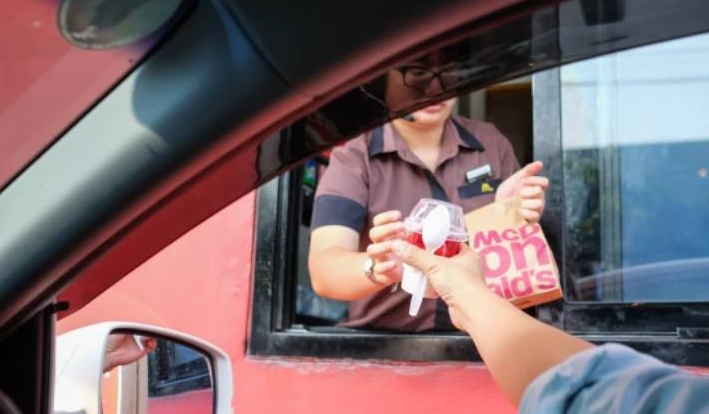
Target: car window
(633,142)
(636,174)
(622,136)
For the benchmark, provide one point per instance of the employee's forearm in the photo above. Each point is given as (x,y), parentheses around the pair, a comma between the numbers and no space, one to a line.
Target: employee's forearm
(516,347)
(339,274)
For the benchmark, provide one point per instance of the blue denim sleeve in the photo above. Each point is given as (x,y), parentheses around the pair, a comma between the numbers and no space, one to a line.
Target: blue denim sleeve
(614,379)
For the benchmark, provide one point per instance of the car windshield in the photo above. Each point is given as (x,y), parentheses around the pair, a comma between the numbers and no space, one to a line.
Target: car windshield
(48,82)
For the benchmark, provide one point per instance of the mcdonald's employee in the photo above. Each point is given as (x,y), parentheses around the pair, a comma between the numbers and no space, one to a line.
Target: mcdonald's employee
(374,180)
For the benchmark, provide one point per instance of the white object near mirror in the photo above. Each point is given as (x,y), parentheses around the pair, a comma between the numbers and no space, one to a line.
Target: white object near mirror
(128,368)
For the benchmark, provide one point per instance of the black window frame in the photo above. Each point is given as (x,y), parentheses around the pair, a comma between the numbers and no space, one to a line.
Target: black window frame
(682,336)
(274,334)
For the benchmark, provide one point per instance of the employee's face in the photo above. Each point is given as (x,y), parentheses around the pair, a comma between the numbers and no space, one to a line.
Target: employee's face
(411,83)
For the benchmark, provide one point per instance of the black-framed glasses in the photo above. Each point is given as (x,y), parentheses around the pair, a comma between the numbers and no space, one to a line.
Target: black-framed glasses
(420,77)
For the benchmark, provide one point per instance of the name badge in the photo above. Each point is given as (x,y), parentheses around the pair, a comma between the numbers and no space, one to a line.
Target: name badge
(479,188)
(479,173)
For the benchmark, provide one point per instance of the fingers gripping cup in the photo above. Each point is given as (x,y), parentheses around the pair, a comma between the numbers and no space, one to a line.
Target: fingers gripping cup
(435,226)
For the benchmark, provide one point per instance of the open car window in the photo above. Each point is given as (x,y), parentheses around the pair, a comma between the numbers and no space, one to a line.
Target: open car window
(617,131)
(634,143)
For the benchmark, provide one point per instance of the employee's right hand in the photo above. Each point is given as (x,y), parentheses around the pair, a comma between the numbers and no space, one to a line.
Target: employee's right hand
(514,346)
(388,226)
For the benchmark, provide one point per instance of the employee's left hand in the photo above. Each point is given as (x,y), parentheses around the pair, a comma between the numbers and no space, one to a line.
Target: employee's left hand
(529,187)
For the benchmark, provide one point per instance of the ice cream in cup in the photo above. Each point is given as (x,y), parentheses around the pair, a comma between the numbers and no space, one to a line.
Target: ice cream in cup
(457,235)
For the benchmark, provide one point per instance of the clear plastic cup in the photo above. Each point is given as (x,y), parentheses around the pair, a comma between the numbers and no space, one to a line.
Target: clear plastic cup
(457,235)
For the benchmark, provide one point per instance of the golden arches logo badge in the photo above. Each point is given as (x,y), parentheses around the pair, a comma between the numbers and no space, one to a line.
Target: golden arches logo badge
(486,188)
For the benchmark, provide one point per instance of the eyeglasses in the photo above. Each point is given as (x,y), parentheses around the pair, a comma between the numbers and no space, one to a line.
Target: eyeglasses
(420,77)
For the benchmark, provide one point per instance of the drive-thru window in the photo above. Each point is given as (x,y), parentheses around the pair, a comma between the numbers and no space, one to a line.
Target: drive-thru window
(624,138)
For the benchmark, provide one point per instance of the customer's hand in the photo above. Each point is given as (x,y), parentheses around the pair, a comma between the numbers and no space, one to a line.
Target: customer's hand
(529,187)
(122,349)
(387,227)
(514,346)
(455,279)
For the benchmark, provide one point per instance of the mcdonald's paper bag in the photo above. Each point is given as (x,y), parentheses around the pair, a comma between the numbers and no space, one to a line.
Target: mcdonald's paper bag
(517,261)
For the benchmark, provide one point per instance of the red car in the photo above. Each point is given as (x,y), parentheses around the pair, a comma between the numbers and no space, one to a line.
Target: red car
(158,161)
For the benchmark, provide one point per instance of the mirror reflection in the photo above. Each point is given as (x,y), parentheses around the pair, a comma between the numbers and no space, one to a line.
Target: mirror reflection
(145,374)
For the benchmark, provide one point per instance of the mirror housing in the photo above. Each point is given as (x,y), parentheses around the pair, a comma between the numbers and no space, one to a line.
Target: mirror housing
(79,364)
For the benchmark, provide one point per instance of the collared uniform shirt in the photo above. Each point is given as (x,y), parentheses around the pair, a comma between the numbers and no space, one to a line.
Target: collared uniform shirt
(377,172)
(614,379)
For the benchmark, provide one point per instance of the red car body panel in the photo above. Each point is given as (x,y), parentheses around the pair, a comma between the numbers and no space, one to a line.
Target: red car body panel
(201,285)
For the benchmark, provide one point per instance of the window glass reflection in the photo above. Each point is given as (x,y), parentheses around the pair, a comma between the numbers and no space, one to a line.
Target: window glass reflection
(636,155)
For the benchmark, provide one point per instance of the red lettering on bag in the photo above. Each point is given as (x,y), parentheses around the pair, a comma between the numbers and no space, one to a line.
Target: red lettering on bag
(529,230)
(526,285)
(510,235)
(481,238)
(546,279)
(540,252)
(517,262)
(503,259)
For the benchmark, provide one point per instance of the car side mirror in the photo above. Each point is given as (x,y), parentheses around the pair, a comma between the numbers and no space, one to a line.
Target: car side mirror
(129,368)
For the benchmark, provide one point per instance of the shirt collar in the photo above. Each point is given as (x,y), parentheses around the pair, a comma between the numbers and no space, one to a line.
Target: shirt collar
(384,138)
(465,138)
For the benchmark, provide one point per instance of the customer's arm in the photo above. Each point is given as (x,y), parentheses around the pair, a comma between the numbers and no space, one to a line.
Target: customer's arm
(123,349)
(614,379)
(544,370)
(516,347)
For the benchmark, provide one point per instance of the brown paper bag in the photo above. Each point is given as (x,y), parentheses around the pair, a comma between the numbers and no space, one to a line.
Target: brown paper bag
(517,261)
